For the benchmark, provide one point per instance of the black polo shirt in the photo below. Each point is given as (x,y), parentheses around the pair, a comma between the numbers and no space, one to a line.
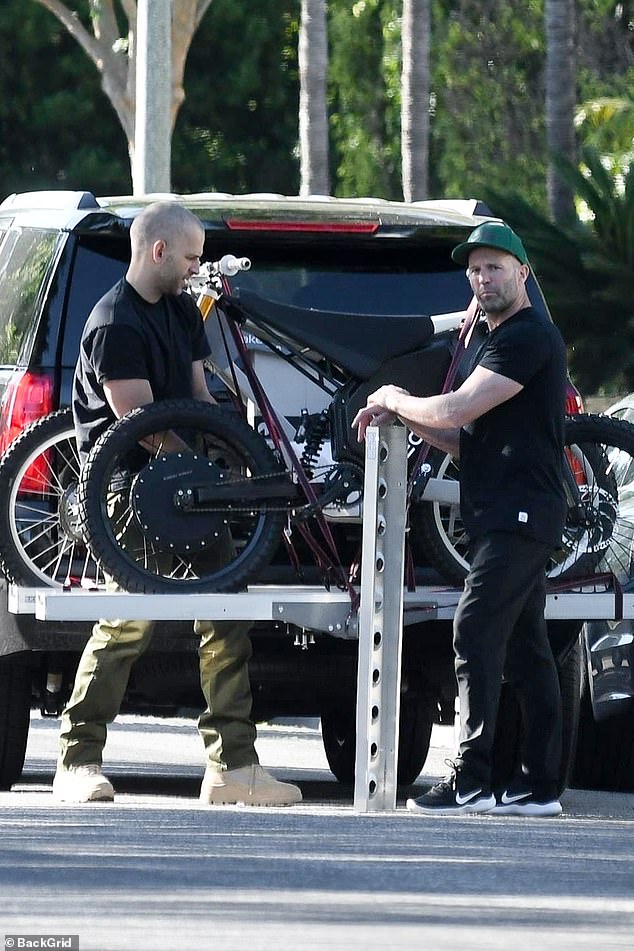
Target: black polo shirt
(128,338)
(511,457)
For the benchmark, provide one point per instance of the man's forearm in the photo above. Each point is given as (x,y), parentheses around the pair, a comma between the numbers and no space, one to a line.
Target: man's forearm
(429,417)
(447,440)
(440,412)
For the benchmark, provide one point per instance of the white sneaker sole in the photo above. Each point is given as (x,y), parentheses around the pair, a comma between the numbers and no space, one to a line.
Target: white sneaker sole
(538,810)
(479,807)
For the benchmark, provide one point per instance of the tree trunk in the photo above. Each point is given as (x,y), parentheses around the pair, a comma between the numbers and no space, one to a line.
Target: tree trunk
(114,55)
(415,98)
(313,112)
(560,101)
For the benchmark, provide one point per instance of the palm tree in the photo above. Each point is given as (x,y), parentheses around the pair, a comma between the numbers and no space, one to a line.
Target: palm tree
(607,124)
(313,112)
(415,83)
(560,100)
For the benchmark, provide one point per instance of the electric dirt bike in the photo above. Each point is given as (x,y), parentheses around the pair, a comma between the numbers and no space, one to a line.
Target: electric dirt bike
(284,482)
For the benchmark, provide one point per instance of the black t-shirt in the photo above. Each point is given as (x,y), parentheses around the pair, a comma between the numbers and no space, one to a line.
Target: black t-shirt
(127,338)
(511,457)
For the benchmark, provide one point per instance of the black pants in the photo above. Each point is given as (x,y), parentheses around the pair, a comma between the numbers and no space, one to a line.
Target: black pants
(500,631)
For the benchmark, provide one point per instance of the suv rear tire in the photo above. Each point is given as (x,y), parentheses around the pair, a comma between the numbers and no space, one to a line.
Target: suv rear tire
(605,748)
(15,711)
(507,738)
(338,728)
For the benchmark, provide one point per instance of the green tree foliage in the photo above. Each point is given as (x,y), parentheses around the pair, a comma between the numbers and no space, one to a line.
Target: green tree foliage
(586,271)
(605,114)
(237,129)
(56,128)
(364,113)
(607,124)
(488,67)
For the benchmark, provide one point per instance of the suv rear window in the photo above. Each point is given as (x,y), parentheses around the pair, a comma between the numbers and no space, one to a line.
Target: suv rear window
(25,259)
(360,291)
(343,278)
(350,279)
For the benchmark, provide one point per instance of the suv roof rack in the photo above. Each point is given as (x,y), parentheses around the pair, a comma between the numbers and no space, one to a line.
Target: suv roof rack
(50,200)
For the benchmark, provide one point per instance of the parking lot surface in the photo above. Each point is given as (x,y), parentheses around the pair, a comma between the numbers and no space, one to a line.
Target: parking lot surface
(157,870)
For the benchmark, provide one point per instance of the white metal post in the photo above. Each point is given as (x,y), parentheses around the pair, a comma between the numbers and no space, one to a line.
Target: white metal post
(381,619)
(152,130)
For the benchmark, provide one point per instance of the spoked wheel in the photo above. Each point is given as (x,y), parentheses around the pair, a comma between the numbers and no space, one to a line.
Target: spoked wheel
(191,520)
(438,536)
(40,540)
(599,532)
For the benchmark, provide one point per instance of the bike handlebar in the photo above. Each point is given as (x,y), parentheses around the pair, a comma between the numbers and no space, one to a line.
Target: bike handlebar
(210,274)
(229,265)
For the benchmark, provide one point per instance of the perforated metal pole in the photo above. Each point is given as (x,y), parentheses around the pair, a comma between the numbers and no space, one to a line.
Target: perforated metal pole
(381,619)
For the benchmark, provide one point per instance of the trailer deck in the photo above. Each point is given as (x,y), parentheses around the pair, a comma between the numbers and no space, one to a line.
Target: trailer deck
(307,606)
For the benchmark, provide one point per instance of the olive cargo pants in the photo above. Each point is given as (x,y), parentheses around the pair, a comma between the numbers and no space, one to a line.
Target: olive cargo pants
(225,726)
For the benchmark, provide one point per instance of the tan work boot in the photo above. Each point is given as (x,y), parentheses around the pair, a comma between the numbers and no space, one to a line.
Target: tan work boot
(82,784)
(247,786)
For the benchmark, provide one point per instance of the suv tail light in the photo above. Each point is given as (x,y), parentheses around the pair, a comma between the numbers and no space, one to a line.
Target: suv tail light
(27,397)
(325,227)
(574,400)
(574,405)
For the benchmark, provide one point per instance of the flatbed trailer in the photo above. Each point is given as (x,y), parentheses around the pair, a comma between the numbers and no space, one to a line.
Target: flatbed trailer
(306,606)
(385,605)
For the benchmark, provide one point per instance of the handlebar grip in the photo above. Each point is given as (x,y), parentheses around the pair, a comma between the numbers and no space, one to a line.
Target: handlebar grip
(229,265)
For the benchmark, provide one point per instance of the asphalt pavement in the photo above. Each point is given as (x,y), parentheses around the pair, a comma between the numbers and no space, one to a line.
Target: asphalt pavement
(155,870)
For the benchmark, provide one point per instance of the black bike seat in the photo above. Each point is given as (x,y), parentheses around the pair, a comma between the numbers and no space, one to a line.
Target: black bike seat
(358,343)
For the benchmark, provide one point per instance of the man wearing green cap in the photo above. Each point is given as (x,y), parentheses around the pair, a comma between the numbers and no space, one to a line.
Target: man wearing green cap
(506,423)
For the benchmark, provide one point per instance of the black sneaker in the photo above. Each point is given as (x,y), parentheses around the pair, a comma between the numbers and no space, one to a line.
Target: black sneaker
(519,800)
(454,796)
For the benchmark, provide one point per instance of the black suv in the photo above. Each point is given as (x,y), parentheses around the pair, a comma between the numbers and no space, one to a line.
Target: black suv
(59,252)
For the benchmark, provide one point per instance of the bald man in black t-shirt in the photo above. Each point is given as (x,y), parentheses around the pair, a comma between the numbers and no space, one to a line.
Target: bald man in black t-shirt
(145,341)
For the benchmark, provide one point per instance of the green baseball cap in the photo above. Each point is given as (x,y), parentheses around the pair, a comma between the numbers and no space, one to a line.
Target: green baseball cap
(491,234)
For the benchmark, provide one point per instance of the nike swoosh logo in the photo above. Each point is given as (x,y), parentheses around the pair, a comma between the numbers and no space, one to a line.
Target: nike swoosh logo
(463,800)
(507,800)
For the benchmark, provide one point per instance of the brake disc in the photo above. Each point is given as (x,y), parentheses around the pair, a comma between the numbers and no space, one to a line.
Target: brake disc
(68,514)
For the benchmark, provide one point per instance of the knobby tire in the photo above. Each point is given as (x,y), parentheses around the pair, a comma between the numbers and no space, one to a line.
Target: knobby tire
(217,434)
